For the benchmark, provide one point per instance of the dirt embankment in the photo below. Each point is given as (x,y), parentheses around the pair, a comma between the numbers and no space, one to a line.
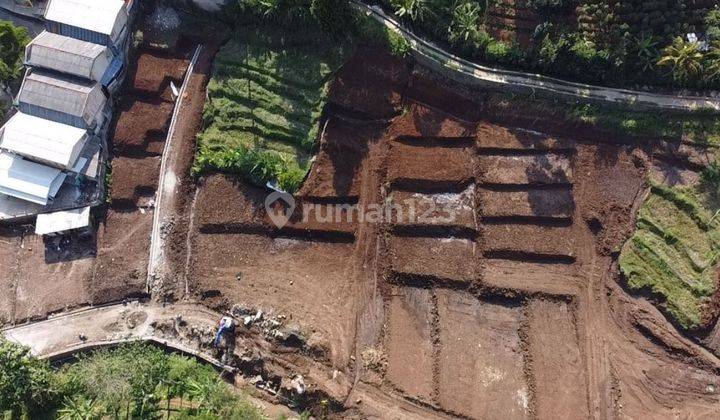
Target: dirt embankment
(501,307)
(137,143)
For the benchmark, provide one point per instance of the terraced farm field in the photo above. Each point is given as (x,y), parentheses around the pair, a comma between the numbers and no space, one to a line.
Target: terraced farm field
(511,305)
(266,96)
(675,251)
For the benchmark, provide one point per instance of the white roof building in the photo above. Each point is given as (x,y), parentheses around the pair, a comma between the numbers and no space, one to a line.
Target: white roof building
(62,221)
(27,180)
(48,142)
(75,99)
(68,55)
(106,17)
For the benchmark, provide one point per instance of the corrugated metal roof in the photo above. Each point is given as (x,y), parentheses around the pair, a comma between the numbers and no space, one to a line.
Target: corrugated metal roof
(67,55)
(68,95)
(28,180)
(62,221)
(95,15)
(45,140)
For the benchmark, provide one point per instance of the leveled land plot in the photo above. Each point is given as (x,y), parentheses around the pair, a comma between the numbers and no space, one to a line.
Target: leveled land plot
(32,286)
(308,282)
(537,169)
(529,238)
(674,252)
(266,97)
(155,71)
(134,179)
(555,203)
(450,209)
(435,164)
(442,258)
(410,343)
(139,123)
(557,366)
(490,136)
(45,287)
(422,122)
(121,264)
(481,360)
(241,204)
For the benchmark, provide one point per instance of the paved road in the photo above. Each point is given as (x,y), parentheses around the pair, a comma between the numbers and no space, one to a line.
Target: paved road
(112,324)
(466,72)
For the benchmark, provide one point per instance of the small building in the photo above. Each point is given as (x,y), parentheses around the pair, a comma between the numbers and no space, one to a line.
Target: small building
(68,55)
(103,22)
(67,100)
(62,222)
(27,180)
(43,141)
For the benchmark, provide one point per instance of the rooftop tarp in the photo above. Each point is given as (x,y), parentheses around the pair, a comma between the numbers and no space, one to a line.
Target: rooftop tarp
(68,55)
(107,17)
(28,180)
(62,221)
(67,95)
(43,140)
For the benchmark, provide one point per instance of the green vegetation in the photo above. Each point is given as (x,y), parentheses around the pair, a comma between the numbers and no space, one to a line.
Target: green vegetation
(699,127)
(374,33)
(674,252)
(266,96)
(13,40)
(623,43)
(132,381)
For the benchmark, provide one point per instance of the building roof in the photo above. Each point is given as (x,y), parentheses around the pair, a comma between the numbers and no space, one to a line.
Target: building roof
(62,221)
(67,55)
(28,180)
(65,94)
(44,140)
(95,15)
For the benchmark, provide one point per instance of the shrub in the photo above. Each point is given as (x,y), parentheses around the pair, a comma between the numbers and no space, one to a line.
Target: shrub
(334,16)
(375,33)
(25,382)
(412,10)
(712,24)
(13,40)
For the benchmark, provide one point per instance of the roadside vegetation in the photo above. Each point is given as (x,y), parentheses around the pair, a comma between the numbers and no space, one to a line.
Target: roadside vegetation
(13,40)
(620,43)
(131,381)
(674,252)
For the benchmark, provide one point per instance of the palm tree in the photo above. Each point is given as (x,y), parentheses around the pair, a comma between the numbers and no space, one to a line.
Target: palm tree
(685,60)
(712,63)
(79,409)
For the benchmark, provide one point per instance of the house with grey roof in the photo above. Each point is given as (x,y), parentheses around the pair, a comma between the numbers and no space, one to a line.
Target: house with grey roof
(67,100)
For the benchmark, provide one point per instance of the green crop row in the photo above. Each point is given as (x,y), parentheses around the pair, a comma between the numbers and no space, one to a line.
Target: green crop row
(674,252)
(266,97)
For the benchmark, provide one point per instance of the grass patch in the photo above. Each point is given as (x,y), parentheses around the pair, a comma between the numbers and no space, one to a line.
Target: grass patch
(266,96)
(674,251)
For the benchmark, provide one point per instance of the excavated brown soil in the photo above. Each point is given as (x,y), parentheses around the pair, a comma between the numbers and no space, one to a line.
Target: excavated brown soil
(509,306)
